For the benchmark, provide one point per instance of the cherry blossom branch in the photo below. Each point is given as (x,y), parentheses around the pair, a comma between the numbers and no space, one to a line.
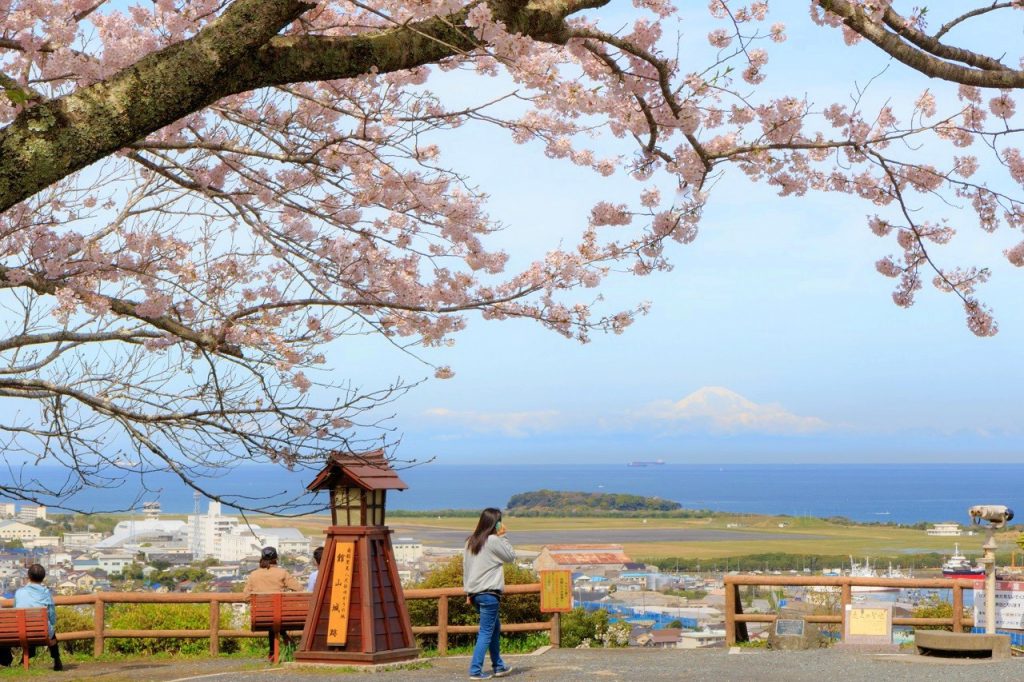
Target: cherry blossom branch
(923,53)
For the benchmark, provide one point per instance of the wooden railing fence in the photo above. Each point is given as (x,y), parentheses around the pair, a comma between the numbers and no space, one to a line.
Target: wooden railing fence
(100,633)
(736,621)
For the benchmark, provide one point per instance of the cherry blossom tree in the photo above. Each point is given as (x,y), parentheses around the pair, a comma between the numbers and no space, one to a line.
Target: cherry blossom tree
(199,197)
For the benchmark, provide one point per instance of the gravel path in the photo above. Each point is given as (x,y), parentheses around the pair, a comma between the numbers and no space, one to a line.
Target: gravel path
(568,665)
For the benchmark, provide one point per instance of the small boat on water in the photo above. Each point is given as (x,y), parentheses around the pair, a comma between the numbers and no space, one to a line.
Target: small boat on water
(958,566)
(646,463)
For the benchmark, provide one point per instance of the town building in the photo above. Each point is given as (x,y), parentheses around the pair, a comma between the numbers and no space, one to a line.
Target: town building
(407,550)
(16,530)
(43,541)
(590,559)
(133,533)
(31,512)
(7,510)
(205,533)
(151,510)
(948,529)
(226,539)
(114,563)
(81,540)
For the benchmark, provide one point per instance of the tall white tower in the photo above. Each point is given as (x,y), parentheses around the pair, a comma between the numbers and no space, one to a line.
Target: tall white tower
(197,541)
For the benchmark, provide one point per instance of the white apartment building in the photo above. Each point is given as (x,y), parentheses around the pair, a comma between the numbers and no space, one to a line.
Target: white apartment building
(31,512)
(205,533)
(114,563)
(227,539)
(945,529)
(7,510)
(407,550)
(286,540)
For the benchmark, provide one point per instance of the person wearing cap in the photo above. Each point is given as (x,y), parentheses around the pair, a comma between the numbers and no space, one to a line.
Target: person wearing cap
(270,577)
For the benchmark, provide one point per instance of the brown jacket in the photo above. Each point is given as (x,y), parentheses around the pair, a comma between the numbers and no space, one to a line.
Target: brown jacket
(271,579)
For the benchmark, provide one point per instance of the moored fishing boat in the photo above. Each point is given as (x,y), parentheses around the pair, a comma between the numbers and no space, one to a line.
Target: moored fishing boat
(958,566)
(865,571)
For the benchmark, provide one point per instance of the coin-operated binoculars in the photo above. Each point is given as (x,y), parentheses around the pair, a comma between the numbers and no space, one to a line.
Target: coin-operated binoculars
(997,516)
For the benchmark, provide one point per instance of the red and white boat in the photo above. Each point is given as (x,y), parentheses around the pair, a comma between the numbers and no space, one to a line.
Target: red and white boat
(958,566)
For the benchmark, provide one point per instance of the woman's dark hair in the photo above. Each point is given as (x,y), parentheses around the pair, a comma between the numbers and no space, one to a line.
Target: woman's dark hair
(487,526)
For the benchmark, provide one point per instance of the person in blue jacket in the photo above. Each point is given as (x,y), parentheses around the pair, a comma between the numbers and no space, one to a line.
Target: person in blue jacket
(35,595)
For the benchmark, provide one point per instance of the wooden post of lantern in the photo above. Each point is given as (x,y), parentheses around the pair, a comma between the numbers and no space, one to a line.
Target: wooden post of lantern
(357,612)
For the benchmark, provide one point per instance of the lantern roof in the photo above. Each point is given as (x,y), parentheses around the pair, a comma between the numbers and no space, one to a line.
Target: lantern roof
(367,470)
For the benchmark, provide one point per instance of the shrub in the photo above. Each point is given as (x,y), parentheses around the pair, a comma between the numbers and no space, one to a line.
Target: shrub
(584,629)
(162,617)
(75,619)
(516,608)
(580,626)
(933,607)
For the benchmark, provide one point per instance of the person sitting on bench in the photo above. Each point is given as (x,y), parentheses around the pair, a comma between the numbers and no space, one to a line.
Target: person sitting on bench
(35,595)
(270,577)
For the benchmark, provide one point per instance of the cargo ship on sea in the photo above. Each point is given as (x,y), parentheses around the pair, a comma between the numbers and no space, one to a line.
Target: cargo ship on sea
(957,566)
(646,463)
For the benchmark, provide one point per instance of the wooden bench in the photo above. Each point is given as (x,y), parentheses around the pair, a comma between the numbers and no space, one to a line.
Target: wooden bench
(24,628)
(278,612)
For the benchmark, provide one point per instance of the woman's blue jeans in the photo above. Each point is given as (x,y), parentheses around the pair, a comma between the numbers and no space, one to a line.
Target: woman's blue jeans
(489,638)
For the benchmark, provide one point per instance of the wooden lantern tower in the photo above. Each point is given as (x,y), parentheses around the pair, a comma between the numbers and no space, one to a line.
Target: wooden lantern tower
(357,612)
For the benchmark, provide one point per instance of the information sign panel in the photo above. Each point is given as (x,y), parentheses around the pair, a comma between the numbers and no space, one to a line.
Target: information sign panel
(1009,604)
(789,627)
(869,624)
(341,593)
(555,591)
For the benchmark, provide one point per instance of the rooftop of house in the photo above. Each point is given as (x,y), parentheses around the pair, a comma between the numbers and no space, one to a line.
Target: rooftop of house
(666,635)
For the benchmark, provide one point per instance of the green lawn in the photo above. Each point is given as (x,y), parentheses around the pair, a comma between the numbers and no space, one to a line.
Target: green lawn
(832,539)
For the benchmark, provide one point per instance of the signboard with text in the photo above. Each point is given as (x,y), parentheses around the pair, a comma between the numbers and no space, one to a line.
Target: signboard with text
(868,623)
(1009,604)
(789,627)
(555,591)
(341,593)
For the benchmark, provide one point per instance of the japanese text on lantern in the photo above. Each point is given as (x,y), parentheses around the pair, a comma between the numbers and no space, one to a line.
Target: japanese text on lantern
(341,593)
(555,591)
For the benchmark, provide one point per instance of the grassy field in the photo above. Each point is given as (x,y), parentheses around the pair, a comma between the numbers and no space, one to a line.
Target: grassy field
(830,539)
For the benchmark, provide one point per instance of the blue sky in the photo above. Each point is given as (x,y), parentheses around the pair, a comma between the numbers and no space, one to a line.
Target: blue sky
(773,340)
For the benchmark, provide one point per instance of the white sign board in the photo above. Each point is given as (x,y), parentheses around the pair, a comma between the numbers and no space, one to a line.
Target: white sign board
(1009,605)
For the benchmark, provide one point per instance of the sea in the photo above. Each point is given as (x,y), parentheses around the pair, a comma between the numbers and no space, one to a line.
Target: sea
(896,493)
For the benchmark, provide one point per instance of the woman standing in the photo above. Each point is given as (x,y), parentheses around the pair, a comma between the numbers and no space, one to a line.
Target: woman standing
(483,578)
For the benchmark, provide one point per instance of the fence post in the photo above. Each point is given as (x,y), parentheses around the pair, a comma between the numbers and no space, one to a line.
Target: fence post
(730,615)
(845,600)
(214,627)
(98,618)
(556,630)
(442,625)
(958,608)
